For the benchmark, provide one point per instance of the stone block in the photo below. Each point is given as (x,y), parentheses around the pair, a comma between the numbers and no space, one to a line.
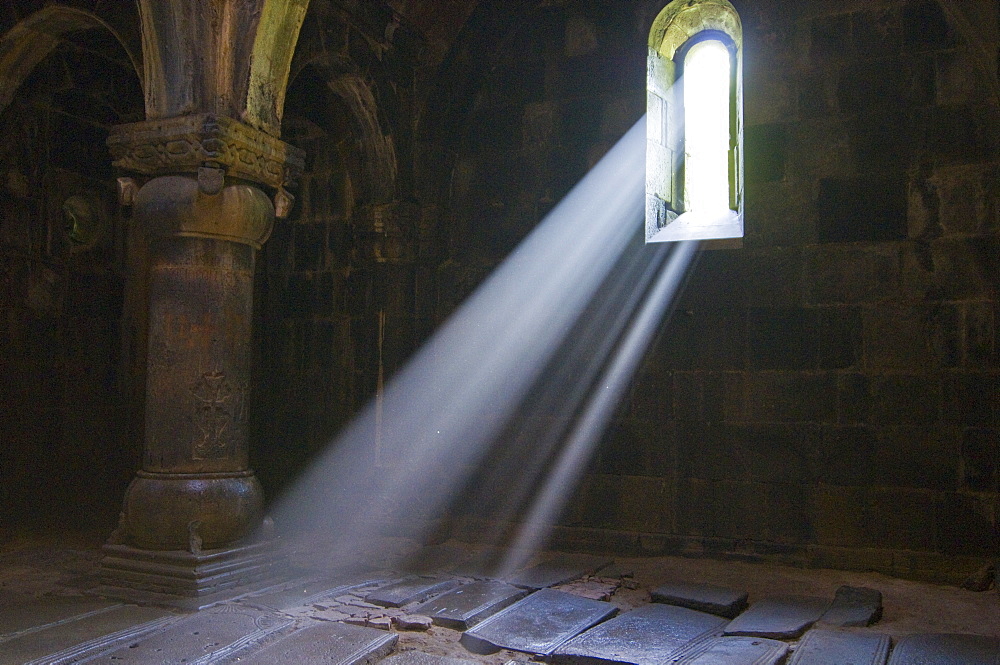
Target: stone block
(410,590)
(902,519)
(74,637)
(704,340)
(837,275)
(980,459)
(853,607)
(965,526)
(778,617)
(872,87)
(871,208)
(917,457)
(954,134)
(876,32)
(914,399)
(538,624)
(724,397)
(925,27)
(647,635)
(830,38)
(787,205)
(980,332)
(711,598)
(783,338)
(945,649)
(777,277)
(328,642)
(818,93)
(836,647)
(736,651)
(840,338)
(899,338)
(306,592)
(962,267)
(221,632)
(469,604)
(971,399)
(717,282)
(792,397)
(812,155)
(789,516)
(765,147)
(845,456)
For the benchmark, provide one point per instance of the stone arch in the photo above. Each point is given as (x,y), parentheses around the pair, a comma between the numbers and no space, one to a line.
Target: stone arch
(30,41)
(377,164)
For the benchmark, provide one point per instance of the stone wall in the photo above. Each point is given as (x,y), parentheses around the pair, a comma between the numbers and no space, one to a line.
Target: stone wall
(68,395)
(828,394)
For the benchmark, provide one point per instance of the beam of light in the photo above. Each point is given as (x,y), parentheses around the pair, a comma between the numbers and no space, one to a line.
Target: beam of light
(531,447)
(442,412)
(592,421)
(706,134)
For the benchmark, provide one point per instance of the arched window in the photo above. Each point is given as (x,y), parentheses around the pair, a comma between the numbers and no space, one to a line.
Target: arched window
(694,123)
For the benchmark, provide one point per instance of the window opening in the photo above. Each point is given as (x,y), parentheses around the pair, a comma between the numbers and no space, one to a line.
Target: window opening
(694,134)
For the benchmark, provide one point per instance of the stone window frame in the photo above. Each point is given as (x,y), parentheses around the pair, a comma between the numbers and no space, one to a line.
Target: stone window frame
(678,26)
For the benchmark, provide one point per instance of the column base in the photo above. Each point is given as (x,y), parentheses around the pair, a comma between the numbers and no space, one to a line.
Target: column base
(188,580)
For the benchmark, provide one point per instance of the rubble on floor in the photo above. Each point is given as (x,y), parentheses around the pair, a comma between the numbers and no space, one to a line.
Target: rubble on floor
(565,609)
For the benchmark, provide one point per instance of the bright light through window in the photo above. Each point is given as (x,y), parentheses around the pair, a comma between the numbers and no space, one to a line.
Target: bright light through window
(706,130)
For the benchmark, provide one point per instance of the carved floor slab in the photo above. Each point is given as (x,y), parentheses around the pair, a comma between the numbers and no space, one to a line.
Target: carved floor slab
(305,592)
(329,643)
(736,651)
(18,615)
(822,646)
(946,649)
(467,605)
(710,598)
(91,632)
(209,636)
(411,590)
(558,570)
(854,607)
(538,624)
(778,617)
(648,635)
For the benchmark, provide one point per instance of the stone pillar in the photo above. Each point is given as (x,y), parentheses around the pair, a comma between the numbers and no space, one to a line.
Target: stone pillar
(191,510)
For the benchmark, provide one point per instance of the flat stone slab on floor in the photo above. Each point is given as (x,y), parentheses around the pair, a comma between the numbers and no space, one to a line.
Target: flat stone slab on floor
(710,598)
(822,646)
(736,651)
(411,590)
(36,613)
(68,639)
(648,635)
(538,624)
(778,617)
(946,649)
(306,592)
(421,658)
(329,643)
(219,632)
(465,606)
(558,570)
(854,607)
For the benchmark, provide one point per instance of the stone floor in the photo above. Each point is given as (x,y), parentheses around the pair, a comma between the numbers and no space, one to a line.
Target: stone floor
(425,606)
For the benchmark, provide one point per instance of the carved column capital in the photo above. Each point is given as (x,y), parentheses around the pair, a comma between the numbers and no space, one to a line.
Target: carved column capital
(184,144)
